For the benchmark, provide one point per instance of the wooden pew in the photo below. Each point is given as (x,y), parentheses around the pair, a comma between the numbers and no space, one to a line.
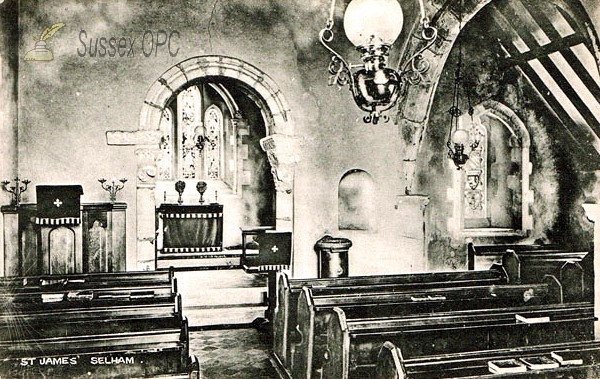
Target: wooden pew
(288,292)
(15,323)
(530,263)
(136,349)
(60,289)
(122,277)
(484,255)
(106,325)
(474,364)
(315,310)
(352,345)
(88,310)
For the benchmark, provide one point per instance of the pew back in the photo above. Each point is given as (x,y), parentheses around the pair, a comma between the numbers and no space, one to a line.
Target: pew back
(105,325)
(314,311)
(530,263)
(355,342)
(288,292)
(474,364)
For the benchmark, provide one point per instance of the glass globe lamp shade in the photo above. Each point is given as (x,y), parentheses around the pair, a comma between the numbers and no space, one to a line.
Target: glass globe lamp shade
(373,22)
(460,137)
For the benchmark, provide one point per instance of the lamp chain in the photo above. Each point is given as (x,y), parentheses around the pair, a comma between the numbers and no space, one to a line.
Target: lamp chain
(418,65)
(339,69)
(331,14)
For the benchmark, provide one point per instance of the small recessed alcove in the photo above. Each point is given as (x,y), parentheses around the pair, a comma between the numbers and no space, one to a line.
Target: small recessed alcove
(355,201)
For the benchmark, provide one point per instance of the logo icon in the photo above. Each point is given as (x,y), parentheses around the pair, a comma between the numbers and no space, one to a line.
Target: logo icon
(41,53)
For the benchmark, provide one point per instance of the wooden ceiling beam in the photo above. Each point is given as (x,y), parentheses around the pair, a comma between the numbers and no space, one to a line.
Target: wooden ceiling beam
(580,138)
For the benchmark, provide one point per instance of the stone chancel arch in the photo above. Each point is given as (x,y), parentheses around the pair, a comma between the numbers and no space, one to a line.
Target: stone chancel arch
(280,145)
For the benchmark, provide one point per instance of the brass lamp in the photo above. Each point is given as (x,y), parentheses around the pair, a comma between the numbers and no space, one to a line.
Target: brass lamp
(373,26)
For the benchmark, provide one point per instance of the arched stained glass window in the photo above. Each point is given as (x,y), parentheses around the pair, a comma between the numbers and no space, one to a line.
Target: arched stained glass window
(198,139)
(164,161)
(213,119)
(189,125)
(491,192)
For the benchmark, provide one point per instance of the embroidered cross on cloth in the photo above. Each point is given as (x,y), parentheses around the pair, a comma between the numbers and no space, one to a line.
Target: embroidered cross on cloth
(58,205)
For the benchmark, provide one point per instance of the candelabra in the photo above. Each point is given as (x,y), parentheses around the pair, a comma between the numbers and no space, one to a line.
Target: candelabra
(16,190)
(112,187)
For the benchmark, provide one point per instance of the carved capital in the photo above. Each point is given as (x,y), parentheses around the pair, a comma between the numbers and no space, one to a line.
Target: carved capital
(283,152)
(146,163)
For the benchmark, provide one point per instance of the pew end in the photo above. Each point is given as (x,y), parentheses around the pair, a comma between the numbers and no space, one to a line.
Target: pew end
(390,363)
(336,363)
(302,338)
(280,320)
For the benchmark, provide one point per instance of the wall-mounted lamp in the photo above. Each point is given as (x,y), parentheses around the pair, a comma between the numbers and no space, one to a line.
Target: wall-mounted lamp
(373,26)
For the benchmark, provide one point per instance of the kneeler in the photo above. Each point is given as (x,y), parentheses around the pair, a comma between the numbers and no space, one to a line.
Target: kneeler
(59,218)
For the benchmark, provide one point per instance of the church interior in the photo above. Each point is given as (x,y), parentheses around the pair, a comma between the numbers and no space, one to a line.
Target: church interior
(300,189)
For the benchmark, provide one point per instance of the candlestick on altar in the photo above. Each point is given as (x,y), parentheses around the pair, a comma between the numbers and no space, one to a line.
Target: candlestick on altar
(180,187)
(201,188)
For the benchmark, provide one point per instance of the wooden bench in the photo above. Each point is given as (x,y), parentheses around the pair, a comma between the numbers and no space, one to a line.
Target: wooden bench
(315,310)
(352,345)
(288,292)
(160,350)
(391,363)
(106,325)
(530,263)
(70,290)
(133,276)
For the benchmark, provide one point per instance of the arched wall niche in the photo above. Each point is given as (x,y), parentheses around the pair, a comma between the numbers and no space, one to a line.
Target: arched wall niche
(356,193)
(280,144)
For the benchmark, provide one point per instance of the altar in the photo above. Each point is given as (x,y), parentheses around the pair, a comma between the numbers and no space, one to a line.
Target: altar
(191,236)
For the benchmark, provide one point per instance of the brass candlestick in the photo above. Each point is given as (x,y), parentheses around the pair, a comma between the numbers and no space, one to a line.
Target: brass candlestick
(201,188)
(179,187)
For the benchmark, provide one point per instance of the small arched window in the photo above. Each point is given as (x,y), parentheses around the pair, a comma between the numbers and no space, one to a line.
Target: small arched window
(491,192)
(213,140)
